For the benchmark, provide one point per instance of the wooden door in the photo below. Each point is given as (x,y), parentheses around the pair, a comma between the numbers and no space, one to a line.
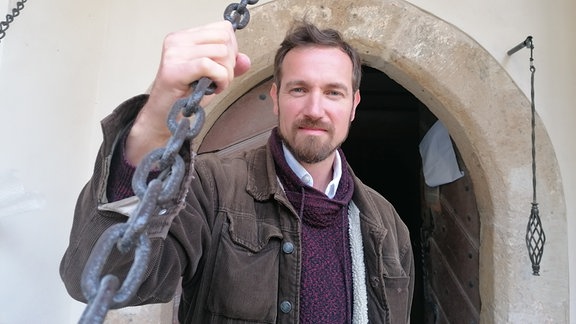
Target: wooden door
(246,124)
(450,248)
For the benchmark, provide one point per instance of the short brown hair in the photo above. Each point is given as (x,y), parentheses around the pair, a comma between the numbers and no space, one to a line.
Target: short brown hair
(304,34)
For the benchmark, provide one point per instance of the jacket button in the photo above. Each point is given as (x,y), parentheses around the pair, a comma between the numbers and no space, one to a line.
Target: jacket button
(288,247)
(286,307)
(374,282)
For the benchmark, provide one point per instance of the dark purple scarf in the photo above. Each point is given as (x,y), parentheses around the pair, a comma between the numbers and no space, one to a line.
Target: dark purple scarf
(326,282)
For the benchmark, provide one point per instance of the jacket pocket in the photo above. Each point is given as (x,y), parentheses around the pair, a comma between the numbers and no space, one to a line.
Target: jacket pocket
(245,278)
(389,280)
(397,295)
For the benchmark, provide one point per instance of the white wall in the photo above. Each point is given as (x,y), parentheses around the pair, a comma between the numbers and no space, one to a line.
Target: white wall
(47,81)
(499,26)
(65,64)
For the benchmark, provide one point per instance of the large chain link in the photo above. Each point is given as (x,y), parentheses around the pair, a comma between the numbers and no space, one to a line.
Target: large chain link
(10,18)
(106,292)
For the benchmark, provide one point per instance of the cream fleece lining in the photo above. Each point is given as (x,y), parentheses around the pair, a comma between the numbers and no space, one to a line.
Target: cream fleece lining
(360,298)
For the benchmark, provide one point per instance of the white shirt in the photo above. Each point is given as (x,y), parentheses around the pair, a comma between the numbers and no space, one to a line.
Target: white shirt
(303,175)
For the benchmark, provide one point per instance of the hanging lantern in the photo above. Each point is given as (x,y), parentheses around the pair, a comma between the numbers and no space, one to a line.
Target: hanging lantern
(535,237)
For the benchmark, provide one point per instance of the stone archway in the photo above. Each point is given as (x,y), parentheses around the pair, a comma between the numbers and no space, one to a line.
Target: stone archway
(487,115)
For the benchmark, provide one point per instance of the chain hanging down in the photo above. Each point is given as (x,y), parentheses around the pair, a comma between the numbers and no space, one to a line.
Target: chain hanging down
(104,292)
(535,237)
(10,18)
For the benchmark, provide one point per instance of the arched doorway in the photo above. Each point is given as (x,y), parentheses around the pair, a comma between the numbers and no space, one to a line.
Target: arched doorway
(486,115)
(382,148)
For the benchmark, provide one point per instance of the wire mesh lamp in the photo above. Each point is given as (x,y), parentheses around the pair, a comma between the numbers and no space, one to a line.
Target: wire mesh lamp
(535,237)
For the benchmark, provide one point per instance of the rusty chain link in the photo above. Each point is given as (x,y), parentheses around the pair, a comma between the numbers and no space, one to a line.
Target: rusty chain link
(106,292)
(10,18)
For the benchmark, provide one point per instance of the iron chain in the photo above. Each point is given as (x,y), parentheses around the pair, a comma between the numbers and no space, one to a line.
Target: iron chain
(104,292)
(10,18)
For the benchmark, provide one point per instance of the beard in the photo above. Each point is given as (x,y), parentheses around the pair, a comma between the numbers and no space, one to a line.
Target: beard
(310,149)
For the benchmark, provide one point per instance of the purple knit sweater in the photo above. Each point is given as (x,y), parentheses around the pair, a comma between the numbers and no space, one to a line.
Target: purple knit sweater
(326,284)
(326,280)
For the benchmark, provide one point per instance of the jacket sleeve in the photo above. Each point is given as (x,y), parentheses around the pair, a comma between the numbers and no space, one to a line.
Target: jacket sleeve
(173,248)
(407,261)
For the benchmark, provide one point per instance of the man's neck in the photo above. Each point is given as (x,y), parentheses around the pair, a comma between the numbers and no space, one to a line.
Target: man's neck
(321,172)
(324,176)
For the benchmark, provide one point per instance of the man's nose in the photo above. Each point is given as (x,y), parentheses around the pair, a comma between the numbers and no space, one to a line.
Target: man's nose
(314,106)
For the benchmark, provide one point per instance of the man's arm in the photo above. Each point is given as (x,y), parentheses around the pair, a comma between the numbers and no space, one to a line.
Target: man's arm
(94,214)
(209,51)
(175,245)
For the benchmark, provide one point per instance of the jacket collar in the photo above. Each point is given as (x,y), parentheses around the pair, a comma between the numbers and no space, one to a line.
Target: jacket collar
(260,162)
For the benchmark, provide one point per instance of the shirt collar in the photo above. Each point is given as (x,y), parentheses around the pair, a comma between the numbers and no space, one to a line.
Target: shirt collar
(303,175)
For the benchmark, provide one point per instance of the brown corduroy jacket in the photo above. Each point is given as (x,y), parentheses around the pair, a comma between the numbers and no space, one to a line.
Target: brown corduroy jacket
(233,242)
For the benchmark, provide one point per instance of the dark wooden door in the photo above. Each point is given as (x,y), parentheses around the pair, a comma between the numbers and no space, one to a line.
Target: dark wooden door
(450,241)
(246,124)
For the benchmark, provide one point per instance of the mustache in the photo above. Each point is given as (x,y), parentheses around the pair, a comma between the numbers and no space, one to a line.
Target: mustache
(307,122)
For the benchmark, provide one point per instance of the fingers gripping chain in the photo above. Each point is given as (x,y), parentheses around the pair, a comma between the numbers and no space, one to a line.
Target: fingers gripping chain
(237,14)
(106,291)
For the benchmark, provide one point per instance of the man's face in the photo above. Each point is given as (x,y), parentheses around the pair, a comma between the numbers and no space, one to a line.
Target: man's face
(315,103)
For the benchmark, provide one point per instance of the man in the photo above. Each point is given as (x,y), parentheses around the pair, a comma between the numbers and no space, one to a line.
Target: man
(281,234)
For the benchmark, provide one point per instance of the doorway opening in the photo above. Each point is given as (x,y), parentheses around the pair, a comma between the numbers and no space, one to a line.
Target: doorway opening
(383,150)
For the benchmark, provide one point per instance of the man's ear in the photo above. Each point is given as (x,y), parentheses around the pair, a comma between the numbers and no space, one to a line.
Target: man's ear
(274,96)
(355,104)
